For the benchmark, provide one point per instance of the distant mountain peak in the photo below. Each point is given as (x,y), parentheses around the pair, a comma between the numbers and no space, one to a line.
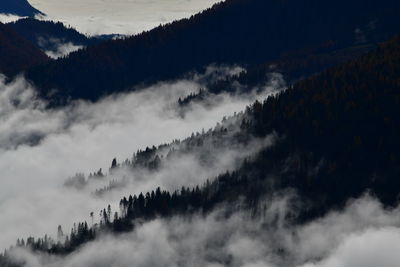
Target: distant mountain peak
(18,7)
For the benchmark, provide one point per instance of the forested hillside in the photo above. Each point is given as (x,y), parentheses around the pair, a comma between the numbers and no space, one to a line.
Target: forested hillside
(16,53)
(48,35)
(306,35)
(337,138)
(340,129)
(42,32)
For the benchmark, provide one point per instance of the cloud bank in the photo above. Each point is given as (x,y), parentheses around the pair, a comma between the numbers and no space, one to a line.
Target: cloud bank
(95,17)
(364,234)
(40,147)
(57,47)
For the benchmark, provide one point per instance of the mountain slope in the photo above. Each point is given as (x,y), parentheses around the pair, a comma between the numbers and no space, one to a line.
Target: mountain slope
(340,131)
(245,32)
(34,30)
(16,53)
(51,37)
(47,35)
(339,139)
(18,7)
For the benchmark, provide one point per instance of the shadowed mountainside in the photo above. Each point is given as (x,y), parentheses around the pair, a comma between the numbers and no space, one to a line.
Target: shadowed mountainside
(47,35)
(16,53)
(246,32)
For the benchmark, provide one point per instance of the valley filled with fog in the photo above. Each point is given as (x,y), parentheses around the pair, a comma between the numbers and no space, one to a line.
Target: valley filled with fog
(238,133)
(38,155)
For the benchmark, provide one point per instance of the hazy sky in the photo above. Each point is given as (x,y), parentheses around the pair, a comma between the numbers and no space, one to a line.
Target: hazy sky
(119,16)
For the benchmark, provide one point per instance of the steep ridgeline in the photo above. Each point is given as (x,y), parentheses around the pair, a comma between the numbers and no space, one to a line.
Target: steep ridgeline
(16,53)
(339,138)
(49,35)
(18,7)
(246,32)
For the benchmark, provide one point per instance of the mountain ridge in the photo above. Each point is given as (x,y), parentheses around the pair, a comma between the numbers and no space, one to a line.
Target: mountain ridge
(48,35)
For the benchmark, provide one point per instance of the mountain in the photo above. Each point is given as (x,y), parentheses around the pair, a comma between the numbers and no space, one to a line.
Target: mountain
(16,53)
(337,139)
(246,32)
(37,30)
(49,35)
(18,7)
